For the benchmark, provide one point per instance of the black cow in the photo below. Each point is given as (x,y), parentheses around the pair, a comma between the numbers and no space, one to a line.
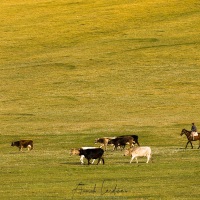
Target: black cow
(135,138)
(23,144)
(122,142)
(89,154)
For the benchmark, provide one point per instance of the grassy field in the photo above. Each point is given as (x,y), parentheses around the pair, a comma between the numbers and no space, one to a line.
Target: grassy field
(75,70)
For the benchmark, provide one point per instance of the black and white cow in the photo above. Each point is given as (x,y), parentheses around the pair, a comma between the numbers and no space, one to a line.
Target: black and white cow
(76,151)
(89,154)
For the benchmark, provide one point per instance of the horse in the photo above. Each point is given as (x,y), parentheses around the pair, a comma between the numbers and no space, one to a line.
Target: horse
(190,138)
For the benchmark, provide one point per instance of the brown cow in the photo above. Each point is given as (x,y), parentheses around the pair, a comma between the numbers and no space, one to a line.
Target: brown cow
(122,142)
(23,144)
(135,138)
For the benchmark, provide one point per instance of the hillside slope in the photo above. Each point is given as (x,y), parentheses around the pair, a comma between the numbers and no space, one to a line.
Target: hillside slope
(74,65)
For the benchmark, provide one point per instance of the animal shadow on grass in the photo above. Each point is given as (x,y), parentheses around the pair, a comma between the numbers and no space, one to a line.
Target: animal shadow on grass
(140,161)
(70,163)
(18,152)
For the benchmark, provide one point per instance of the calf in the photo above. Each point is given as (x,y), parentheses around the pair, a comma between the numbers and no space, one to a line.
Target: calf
(93,154)
(23,144)
(75,151)
(122,142)
(103,141)
(135,152)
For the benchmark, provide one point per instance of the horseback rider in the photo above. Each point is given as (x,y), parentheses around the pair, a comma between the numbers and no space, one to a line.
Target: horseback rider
(193,131)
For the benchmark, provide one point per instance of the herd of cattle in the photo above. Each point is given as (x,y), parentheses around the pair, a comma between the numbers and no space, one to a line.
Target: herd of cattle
(117,142)
(93,153)
(97,152)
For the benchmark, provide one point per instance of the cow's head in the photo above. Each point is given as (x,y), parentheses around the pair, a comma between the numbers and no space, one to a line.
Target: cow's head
(74,152)
(127,152)
(98,140)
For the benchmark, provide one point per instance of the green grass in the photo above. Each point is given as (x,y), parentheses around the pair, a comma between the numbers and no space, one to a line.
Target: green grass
(75,70)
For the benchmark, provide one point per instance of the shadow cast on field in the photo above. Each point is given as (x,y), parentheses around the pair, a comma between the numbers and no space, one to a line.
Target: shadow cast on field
(70,163)
(133,164)
(78,164)
(19,152)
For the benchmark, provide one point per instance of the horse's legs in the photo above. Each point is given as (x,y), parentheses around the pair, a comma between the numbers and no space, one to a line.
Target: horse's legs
(191,144)
(188,143)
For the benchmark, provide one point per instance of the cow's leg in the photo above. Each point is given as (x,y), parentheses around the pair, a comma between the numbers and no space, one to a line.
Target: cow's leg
(81,159)
(20,148)
(136,159)
(148,158)
(105,147)
(29,147)
(123,147)
(102,160)
(132,159)
(93,161)
(98,160)
(88,161)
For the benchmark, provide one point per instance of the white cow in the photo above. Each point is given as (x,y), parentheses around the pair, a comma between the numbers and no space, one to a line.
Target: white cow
(136,151)
(75,151)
